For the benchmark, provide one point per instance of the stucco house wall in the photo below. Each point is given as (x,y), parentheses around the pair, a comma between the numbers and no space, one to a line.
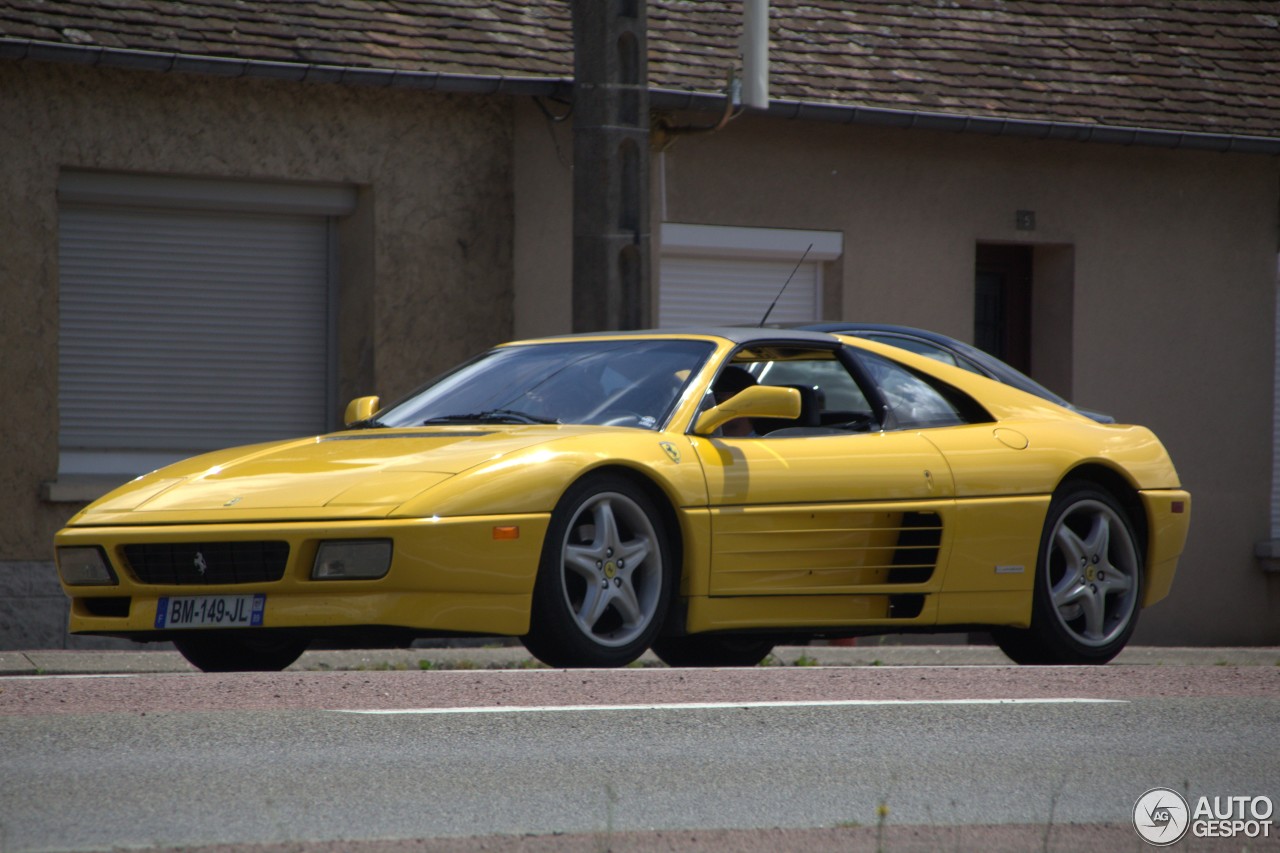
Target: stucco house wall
(425,259)
(1157,270)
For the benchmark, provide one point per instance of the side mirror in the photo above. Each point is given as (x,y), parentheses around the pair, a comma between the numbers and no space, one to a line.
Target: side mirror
(360,409)
(758,401)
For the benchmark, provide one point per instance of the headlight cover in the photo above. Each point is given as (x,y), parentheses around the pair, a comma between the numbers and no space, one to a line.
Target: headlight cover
(352,559)
(84,565)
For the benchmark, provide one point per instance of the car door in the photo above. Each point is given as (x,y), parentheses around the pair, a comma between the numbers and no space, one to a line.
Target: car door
(836,506)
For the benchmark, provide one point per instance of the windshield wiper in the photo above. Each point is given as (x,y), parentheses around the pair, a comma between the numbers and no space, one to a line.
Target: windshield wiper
(492,416)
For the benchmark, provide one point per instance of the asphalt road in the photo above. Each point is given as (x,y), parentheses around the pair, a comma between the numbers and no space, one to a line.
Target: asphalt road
(788,757)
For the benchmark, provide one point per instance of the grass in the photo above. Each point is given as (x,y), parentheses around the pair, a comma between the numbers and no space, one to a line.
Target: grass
(883,812)
(882,817)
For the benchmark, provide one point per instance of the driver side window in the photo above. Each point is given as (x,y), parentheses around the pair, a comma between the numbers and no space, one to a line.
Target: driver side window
(831,402)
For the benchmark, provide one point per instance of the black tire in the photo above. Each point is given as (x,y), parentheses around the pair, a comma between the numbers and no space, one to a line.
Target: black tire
(234,651)
(605,578)
(713,650)
(1088,584)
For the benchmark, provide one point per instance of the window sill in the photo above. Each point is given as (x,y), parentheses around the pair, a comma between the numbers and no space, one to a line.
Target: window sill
(80,488)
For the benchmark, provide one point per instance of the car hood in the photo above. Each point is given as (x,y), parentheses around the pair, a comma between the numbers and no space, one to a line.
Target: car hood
(359,473)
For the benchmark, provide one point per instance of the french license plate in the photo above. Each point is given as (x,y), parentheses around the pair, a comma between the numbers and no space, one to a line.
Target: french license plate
(210,611)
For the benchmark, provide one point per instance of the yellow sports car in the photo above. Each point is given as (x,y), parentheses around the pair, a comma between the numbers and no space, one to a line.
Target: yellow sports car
(704,493)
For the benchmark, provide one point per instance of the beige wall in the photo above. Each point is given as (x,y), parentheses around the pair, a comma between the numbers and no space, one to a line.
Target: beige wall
(1155,289)
(543,249)
(425,262)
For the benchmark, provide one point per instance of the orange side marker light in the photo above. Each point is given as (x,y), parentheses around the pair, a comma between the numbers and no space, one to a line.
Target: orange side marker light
(506,533)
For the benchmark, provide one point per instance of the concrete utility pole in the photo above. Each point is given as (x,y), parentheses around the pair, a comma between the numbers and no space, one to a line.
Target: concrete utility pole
(610,165)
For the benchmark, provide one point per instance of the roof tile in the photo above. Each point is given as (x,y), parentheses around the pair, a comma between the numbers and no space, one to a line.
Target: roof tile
(1196,65)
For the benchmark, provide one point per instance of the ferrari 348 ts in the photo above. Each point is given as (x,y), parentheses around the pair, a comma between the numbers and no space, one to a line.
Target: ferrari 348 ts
(704,493)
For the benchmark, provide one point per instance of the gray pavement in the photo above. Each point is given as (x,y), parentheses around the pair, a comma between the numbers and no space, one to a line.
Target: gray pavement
(499,656)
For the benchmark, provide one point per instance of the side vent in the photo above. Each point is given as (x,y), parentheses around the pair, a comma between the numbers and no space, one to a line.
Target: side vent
(905,606)
(916,555)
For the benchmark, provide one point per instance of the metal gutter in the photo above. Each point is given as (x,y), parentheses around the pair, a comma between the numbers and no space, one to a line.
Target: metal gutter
(992,126)
(298,72)
(663,99)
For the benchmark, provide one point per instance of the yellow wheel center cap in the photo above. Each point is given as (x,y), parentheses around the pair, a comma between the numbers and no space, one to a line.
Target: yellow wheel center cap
(1091,574)
(610,570)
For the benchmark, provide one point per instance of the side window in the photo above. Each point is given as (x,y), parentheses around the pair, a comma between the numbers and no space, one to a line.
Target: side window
(831,401)
(915,402)
(839,391)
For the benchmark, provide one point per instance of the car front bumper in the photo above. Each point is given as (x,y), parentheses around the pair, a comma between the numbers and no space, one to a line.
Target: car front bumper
(467,575)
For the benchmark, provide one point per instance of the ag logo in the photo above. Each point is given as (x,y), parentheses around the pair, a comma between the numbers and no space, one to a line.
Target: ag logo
(1161,817)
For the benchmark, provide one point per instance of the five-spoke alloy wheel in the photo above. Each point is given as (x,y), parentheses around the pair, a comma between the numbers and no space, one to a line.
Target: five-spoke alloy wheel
(605,579)
(1088,584)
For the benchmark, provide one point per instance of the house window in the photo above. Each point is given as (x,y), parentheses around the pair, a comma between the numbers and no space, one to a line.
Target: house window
(193,315)
(724,276)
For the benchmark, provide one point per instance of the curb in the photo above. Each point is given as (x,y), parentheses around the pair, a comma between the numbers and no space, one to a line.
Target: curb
(73,662)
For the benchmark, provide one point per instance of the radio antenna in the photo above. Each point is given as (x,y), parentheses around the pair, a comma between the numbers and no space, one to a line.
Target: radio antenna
(784,287)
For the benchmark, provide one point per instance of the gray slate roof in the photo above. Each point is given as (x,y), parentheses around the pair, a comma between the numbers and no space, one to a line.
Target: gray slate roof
(1185,66)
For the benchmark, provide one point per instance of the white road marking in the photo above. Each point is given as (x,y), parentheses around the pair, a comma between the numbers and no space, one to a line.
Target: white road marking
(714,706)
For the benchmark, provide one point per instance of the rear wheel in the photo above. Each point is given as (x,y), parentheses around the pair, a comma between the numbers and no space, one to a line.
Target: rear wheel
(712,650)
(605,577)
(232,651)
(1088,584)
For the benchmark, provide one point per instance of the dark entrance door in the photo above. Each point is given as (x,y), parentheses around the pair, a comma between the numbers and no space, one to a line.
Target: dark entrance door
(1002,303)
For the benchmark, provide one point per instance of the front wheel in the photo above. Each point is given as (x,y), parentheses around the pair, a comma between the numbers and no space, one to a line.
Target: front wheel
(233,651)
(605,578)
(1088,584)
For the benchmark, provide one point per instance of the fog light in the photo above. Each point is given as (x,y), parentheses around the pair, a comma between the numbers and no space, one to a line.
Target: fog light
(84,565)
(363,559)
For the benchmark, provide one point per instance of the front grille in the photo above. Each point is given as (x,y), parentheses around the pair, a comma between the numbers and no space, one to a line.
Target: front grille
(207,563)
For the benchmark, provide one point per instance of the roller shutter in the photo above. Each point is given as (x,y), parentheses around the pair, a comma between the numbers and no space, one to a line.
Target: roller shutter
(185,330)
(725,275)
(731,292)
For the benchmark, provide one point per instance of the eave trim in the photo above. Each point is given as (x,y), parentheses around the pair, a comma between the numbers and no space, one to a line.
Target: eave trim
(663,99)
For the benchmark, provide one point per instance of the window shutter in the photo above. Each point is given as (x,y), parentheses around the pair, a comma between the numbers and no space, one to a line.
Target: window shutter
(735,291)
(728,275)
(190,330)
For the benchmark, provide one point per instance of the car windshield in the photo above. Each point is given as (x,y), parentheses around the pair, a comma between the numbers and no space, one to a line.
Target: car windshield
(632,383)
